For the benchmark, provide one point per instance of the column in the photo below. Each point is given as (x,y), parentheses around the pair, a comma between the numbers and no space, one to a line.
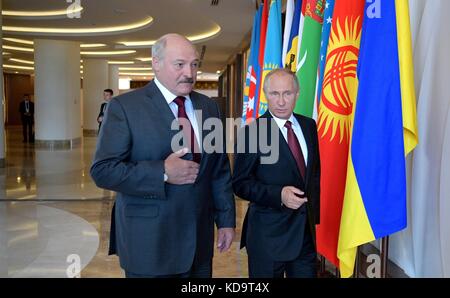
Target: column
(57,89)
(95,80)
(2,100)
(114,79)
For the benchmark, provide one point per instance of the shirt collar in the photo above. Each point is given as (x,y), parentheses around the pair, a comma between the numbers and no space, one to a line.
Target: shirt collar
(168,96)
(281,122)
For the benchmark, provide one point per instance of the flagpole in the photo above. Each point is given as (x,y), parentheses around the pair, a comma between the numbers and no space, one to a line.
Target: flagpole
(322,265)
(356,270)
(384,253)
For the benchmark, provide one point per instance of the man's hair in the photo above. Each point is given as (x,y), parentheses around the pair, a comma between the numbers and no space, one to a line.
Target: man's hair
(26,95)
(109,91)
(159,47)
(286,71)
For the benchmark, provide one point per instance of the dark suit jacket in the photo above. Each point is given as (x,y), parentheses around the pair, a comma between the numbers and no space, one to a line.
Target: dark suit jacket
(271,229)
(159,226)
(22,110)
(102,112)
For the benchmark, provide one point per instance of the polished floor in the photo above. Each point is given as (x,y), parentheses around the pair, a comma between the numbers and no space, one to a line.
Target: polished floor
(52,216)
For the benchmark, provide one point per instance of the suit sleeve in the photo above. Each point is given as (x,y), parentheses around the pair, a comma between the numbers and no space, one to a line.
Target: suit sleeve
(315,179)
(245,183)
(224,204)
(111,168)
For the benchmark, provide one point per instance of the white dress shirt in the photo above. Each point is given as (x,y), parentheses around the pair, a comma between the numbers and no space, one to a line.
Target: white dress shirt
(170,97)
(298,133)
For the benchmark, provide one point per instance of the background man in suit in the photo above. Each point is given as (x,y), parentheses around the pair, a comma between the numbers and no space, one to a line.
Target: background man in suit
(279,228)
(167,201)
(26,109)
(107,95)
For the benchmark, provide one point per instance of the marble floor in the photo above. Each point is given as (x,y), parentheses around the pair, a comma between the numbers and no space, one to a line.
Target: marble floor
(54,220)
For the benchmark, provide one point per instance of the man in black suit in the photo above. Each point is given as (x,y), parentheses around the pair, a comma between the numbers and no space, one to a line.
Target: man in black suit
(279,227)
(167,199)
(26,109)
(107,95)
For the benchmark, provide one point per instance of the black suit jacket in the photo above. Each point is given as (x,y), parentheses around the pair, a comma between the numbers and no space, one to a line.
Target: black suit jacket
(22,109)
(159,227)
(269,228)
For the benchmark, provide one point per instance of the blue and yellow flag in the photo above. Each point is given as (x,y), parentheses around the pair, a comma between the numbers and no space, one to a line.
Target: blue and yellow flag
(384,130)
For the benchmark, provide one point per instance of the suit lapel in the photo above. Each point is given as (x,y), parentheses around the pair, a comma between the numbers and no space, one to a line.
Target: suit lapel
(160,105)
(284,147)
(200,106)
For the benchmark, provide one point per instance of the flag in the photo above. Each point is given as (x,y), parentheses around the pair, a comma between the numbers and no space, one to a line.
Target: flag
(338,95)
(375,194)
(287,28)
(262,44)
(423,249)
(309,56)
(272,49)
(291,55)
(326,28)
(253,71)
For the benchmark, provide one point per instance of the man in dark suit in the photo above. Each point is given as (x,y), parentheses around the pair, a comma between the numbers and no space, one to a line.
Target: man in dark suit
(167,199)
(107,95)
(26,110)
(279,227)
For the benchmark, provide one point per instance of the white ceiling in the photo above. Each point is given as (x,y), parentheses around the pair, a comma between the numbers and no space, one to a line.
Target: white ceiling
(187,17)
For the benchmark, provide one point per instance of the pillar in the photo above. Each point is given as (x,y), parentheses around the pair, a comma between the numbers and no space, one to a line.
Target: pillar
(114,79)
(57,90)
(95,80)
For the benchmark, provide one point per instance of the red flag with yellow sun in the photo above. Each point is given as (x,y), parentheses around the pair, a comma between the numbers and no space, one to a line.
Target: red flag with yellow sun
(339,90)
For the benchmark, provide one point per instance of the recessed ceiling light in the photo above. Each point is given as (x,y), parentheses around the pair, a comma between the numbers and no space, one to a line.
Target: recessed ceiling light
(193,38)
(135,68)
(21,61)
(92,45)
(136,73)
(47,13)
(21,49)
(145,59)
(76,31)
(120,62)
(17,67)
(107,53)
(18,40)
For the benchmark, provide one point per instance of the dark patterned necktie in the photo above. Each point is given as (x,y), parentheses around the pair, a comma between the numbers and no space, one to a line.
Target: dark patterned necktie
(296,150)
(187,128)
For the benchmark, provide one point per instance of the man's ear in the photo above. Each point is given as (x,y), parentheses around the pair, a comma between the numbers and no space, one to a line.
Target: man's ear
(156,64)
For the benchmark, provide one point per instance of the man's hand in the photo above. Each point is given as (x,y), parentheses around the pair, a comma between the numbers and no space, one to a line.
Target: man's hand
(289,198)
(225,237)
(180,171)
(99,119)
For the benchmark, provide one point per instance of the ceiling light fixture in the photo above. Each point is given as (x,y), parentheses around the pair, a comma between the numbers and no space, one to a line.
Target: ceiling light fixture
(21,61)
(120,62)
(76,31)
(18,40)
(107,53)
(136,74)
(18,67)
(21,49)
(135,68)
(92,45)
(145,59)
(192,38)
(48,13)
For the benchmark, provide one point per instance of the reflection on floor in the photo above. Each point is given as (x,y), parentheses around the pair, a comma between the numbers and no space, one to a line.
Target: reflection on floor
(51,211)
